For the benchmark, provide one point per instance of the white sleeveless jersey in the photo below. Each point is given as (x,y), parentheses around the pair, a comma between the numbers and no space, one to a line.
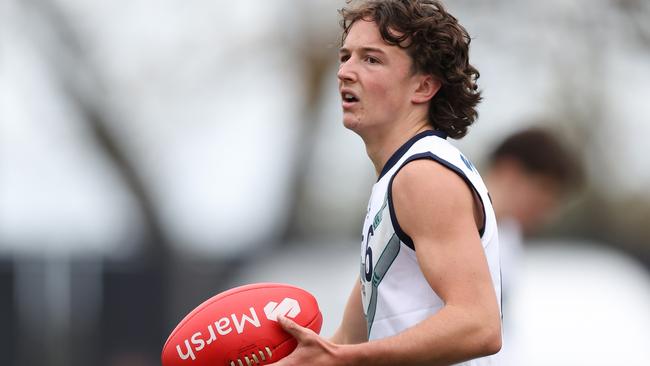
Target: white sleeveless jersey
(395,293)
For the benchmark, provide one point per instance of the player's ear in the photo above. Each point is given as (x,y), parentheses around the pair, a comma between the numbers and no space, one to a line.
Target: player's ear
(426,87)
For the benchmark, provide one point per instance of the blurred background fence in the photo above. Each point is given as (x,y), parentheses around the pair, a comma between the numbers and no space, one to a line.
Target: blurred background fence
(154,153)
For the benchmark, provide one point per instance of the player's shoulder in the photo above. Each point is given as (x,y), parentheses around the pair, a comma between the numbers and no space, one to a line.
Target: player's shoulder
(427,179)
(427,174)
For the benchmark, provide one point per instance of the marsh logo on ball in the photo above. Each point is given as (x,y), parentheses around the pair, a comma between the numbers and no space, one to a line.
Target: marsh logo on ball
(198,341)
(287,307)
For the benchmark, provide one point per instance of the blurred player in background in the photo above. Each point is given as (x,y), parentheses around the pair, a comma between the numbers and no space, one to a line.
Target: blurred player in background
(429,286)
(531,174)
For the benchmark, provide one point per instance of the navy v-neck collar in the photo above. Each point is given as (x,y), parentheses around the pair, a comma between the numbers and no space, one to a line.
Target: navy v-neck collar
(407,145)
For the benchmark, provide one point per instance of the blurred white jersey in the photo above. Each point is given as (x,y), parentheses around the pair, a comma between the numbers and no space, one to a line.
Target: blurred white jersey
(395,293)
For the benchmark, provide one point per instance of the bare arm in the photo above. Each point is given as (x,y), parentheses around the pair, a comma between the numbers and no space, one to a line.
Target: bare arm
(438,211)
(353,328)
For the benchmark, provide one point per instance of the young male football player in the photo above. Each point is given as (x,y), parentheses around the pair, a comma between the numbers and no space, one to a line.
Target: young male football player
(429,285)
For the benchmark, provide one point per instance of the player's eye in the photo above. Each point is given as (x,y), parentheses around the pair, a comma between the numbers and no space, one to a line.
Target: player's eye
(372,60)
(344,58)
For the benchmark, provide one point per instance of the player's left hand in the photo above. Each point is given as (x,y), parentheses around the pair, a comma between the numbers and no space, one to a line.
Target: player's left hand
(311,350)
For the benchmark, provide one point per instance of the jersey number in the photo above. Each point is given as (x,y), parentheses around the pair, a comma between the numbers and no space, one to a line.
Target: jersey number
(368,257)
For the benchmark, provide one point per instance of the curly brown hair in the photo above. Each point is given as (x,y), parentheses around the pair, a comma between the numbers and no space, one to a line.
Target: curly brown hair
(438,46)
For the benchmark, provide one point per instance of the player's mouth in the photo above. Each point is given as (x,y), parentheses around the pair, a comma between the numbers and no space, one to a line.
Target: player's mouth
(348,99)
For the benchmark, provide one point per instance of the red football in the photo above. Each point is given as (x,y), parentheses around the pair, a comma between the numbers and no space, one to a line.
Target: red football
(238,327)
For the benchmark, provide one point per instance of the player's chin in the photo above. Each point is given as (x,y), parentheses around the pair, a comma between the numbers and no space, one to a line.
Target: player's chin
(351,122)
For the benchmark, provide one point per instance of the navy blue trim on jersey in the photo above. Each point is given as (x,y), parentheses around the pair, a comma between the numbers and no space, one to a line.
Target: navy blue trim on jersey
(428,155)
(407,145)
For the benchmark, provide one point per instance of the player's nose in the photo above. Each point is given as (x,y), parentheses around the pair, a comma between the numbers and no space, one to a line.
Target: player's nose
(347,72)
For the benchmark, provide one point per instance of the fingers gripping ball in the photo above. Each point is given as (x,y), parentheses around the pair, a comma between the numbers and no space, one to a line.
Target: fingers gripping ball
(239,327)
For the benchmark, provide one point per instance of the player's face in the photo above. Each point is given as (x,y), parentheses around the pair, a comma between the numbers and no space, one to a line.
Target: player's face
(536,200)
(375,79)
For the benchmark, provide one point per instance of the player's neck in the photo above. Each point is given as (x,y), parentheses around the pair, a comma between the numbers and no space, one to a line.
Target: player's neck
(381,146)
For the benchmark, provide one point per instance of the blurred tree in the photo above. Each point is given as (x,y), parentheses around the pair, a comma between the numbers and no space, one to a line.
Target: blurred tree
(80,80)
(312,51)
(636,15)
